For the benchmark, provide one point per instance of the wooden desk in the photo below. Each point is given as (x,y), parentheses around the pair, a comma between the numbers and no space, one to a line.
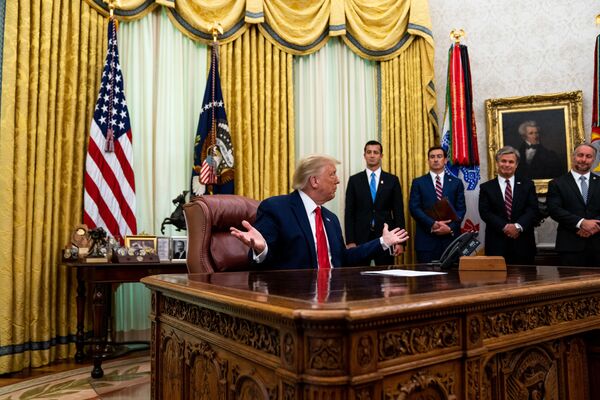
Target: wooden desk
(102,276)
(525,335)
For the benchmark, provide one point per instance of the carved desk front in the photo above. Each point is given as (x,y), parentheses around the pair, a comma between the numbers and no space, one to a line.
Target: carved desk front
(292,335)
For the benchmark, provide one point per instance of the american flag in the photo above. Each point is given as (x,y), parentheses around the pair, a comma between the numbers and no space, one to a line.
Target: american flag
(213,151)
(109,198)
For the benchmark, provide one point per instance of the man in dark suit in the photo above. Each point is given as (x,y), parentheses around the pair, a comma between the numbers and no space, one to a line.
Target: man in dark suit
(574,202)
(294,231)
(373,197)
(432,237)
(536,161)
(509,207)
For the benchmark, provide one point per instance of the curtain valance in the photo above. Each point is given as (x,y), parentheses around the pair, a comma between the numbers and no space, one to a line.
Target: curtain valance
(374,29)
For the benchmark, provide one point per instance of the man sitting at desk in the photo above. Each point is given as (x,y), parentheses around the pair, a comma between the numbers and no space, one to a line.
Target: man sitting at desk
(294,231)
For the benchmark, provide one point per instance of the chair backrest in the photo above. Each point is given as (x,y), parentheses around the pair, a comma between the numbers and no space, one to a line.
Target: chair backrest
(211,248)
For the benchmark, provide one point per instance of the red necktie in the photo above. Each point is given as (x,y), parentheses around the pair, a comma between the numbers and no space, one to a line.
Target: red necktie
(438,187)
(508,199)
(323,277)
(322,251)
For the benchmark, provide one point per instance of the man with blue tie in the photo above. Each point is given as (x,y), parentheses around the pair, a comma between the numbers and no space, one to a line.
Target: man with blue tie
(294,231)
(509,207)
(432,237)
(373,197)
(574,202)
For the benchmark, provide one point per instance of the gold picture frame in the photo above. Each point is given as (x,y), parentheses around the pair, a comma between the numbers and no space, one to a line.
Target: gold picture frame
(559,117)
(140,241)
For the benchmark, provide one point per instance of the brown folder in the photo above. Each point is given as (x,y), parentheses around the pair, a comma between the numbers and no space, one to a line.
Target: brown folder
(442,210)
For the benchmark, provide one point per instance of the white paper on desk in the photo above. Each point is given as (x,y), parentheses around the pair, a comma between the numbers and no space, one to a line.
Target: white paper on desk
(403,272)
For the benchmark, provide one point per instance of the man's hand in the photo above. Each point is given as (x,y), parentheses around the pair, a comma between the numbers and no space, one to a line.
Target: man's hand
(393,237)
(252,238)
(583,233)
(511,231)
(441,228)
(398,249)
(350,245)
(591,226)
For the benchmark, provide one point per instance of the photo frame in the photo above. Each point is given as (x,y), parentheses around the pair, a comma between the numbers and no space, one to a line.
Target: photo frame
(163,248)
(559,121)
(140,241)
(179,246)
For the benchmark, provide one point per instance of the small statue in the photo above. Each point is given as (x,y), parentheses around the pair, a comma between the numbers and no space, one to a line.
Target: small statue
(99,242)
(177,218)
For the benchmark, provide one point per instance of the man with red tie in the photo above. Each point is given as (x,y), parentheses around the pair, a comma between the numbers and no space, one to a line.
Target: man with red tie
(294,230)
(509,207)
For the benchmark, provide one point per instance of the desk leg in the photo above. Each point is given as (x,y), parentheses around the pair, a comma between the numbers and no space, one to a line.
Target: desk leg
(80,337)
(99,339)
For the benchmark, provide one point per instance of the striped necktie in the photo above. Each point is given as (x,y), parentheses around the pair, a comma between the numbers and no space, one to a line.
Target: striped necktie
(438,187)
(508,199)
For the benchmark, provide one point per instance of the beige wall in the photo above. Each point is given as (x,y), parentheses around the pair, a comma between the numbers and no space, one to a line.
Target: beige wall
(519,48)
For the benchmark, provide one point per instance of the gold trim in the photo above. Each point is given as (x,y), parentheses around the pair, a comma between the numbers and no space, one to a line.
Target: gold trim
(570,102)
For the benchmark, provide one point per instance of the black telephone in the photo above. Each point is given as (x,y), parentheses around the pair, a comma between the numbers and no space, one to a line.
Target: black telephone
(463,245)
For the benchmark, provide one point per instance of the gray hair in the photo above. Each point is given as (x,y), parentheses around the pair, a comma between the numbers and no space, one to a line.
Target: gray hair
(588,145)
(311,165)
(507,150)
(523,127)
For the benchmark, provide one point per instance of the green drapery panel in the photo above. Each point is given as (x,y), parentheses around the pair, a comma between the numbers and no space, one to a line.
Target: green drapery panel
(373,29)
(52,59)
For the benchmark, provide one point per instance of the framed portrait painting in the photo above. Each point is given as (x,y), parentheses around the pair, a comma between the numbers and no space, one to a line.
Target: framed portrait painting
(543,128)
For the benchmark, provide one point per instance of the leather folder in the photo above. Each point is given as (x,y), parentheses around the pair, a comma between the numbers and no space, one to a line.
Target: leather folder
(442,210)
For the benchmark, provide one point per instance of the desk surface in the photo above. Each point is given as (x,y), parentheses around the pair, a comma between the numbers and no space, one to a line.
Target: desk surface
(351,290)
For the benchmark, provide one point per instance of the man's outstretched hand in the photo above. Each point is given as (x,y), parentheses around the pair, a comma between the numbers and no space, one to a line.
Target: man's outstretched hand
(251,238)
(393,237)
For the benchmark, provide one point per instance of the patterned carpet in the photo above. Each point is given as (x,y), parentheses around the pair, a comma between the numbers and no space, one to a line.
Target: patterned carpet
(125,379)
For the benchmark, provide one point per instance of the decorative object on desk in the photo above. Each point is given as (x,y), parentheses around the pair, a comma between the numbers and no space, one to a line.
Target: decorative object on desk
(80,238)
(179,248)
(99,247)
(163,247)
(442,210)
(177,219)
(482,263)
(139,248)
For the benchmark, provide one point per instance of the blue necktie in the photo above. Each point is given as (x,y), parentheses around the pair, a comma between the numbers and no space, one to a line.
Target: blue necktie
(584,188)
(373,186)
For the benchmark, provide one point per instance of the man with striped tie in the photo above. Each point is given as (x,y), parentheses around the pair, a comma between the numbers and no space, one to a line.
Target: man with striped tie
(509,207)
(574,202)
(432,237)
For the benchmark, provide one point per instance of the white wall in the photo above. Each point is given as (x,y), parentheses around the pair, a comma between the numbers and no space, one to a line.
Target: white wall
(519,48)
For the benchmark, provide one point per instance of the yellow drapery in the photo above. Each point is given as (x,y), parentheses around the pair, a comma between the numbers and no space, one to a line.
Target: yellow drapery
(257,83)
(374,29)
(408,125)
(52,59)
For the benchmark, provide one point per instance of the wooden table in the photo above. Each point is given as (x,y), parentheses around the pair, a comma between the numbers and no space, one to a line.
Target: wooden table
(525,334)
(103,276)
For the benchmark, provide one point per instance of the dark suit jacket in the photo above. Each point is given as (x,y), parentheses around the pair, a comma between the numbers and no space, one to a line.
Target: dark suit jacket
(422,198)
(525,212)
(360,209)
(283,222)
(544,164)
(566,206)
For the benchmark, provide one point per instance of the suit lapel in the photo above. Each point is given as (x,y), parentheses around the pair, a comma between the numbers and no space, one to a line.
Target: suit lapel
(300,214)
(331,236)
(448,182)
(575,187)
(594,186)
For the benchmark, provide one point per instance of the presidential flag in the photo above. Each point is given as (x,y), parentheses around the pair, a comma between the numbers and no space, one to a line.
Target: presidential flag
(459,133)
(213,168)
(109,196)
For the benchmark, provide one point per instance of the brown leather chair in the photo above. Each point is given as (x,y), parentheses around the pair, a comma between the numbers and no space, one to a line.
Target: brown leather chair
(211,248)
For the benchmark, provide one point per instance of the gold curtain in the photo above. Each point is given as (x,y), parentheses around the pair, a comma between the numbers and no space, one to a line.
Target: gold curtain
(52,59)
(373,29)
(408,123)
(258,90)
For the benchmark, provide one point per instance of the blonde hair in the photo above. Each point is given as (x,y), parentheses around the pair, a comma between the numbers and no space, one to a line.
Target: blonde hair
(311,165)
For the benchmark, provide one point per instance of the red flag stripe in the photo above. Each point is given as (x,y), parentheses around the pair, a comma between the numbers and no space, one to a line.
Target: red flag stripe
(103,210)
